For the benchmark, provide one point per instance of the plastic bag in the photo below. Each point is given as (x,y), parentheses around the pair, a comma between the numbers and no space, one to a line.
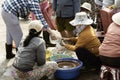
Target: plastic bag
(58,36)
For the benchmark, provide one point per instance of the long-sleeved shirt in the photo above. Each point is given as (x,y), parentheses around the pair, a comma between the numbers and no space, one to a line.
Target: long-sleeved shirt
(22,8)
(26,57)
(86,39)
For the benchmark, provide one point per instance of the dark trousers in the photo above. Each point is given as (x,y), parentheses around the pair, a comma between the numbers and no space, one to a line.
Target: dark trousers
(110,61)
(88,58)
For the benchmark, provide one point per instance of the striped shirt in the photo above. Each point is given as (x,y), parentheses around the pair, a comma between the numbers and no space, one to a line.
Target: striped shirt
(22,8)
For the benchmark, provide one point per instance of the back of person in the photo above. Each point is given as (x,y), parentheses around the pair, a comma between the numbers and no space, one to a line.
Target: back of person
(29,54)
(110,48)
(30,60)
(90,40)
(111,44)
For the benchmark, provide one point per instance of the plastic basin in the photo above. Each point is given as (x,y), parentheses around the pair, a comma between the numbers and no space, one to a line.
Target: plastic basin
(69,68)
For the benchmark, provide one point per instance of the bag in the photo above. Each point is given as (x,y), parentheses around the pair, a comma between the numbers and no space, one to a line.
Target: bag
(58,35)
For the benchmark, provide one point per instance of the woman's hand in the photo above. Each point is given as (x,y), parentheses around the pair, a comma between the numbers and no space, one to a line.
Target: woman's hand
(66,39)
(52,34)
(62,43)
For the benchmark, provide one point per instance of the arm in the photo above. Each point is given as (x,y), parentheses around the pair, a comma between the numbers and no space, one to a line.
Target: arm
(74,39)
(41,54)
(80,43)
(83,39)
(35,8)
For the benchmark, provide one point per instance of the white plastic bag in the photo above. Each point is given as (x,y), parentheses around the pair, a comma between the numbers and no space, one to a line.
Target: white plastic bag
(58,36)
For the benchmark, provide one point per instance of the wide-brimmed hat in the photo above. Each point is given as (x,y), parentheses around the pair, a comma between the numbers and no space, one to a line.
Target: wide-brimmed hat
(81,18)
(87,6)
(116,18)
(35,24)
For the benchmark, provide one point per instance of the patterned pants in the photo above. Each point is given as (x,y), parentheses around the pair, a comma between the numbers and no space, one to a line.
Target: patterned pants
(38,72)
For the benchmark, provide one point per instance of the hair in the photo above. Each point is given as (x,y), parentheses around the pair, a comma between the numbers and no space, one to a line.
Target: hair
(32,33)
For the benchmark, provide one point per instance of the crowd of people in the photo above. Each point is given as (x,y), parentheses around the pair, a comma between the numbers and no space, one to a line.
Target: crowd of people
(74,20)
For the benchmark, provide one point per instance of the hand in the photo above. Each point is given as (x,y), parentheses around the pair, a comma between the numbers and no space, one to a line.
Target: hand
(53,37)
(62,43)
(52,34)
(66,39)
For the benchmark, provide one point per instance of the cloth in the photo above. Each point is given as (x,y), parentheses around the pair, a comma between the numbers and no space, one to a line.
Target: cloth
(63,24)
(66,8)
(26,57)
(86,39)
(111,44)
(13,30)
(37,73)
(22,8)
(110,61)
(89,59)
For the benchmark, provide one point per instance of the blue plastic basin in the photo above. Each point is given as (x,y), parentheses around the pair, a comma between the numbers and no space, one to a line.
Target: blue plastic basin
(68,73)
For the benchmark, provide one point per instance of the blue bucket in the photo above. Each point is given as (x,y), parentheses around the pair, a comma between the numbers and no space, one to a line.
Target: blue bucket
(68,73)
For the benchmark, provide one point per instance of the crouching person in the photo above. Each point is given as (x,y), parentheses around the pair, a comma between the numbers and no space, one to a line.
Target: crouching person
(86,42)
(30,61)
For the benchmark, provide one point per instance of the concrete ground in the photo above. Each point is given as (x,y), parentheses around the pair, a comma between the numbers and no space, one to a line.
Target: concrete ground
(4,64)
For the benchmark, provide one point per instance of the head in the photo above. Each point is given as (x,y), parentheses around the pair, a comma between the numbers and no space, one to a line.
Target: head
(81,18)
(116,18)
(35,25)
(86,7)
(35,28)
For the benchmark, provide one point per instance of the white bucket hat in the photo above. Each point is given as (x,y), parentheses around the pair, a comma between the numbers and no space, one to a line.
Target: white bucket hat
(116,18)
(87,6)
(35,24)
(81,18)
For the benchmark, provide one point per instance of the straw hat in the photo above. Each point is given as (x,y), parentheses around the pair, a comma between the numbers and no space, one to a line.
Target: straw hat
(81,18)
(86,6)
(116,18)
(36,24)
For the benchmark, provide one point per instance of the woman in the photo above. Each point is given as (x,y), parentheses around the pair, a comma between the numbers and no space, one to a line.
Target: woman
(30,61)
(110,48)
(86,43)
(11,11)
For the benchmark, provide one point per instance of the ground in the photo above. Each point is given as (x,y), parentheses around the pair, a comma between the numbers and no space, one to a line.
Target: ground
(4,64)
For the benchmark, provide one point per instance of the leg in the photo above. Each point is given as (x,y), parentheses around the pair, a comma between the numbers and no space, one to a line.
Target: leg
(13,30)
(88,58)
(39,72)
